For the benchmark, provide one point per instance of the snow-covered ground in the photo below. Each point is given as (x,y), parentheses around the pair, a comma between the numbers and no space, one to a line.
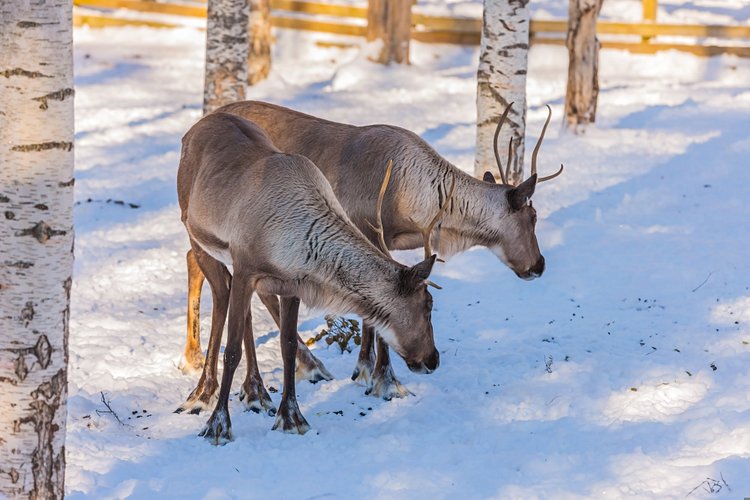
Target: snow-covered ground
(623,372)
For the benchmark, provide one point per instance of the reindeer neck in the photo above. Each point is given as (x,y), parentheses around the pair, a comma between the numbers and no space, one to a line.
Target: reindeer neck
(465,221)
(356,276)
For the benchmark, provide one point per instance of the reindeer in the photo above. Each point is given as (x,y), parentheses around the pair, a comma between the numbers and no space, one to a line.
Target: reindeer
(480,212)
(274,219)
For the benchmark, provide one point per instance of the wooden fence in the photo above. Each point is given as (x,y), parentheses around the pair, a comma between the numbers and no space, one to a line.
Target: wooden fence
(647,36)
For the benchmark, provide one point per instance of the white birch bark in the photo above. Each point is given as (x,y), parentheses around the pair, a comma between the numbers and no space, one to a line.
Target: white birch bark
(583,64)
(36,243)
(226,53)
(501,79)
(260,39)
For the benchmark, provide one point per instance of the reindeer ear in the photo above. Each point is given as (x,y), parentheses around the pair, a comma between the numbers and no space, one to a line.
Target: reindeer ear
(488,177)
(422,270)
(413,277)
(519,195)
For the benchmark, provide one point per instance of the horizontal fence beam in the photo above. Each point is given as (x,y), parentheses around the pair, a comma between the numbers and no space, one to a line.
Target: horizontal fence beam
(327,9)
(297,23)
(298,14)
(649,29)
(172,8)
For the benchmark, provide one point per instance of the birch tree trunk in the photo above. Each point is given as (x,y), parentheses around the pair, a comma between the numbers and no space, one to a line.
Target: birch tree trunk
(226,53)
(259,34)
(390,22)
(583,63)
(501,79)
(36,243)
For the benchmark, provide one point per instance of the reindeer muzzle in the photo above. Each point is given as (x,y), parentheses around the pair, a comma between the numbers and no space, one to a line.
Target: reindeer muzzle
(534,271)
(427,366)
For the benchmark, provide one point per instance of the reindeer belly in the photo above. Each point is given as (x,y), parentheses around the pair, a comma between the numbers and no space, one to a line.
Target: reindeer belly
(211,244)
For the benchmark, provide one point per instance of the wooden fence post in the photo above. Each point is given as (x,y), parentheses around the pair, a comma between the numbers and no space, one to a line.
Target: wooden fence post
(390,21)
(649,15)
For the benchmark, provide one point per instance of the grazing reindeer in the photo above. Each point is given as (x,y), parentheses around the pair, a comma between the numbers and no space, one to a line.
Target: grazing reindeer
(497,216)
(273,218)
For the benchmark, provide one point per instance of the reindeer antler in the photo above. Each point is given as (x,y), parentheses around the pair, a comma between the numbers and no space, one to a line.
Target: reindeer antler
(427,230)
(536,151)
(503,176)
(379,210)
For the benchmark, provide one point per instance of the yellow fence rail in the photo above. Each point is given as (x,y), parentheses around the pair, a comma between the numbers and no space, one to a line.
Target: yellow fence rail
(350,20)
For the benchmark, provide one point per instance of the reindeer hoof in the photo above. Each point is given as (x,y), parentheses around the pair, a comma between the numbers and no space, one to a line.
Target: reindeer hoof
(289,419)
(255,397)
(363,372)
(309,367)
(192,363)
(218,429)
(202,398)
(386,386)
(312,370)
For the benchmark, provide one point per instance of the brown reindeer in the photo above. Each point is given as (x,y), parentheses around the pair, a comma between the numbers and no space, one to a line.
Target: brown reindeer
(353,159)
(273,219)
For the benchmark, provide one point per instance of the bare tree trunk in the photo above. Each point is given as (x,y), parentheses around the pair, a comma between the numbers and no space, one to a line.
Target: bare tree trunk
(583,63)
(36,243)
(226,53)
(501,79)
(390,21)
(259,34)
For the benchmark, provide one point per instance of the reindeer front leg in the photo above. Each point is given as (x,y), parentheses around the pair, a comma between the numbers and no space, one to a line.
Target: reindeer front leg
(384,382)
(218,429)
(289,417)
(253,393)
(204,394)
(309,367)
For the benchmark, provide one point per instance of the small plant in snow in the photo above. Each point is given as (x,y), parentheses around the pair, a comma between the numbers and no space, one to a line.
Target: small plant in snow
(339,330)
(712,485)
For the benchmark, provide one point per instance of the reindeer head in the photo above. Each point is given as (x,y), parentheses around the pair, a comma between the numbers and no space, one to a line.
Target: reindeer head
(409,331)
(516,243)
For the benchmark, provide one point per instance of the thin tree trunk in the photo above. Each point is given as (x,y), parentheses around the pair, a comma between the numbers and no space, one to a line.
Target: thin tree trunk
(226,53)
(36,243)
(501,79)
(583,63)
(390,22)
(259,34)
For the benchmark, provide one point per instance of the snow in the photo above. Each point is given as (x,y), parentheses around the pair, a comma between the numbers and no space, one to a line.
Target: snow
(622,372)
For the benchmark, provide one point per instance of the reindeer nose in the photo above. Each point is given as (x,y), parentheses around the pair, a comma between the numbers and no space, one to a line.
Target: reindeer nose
(433,361)
(429,365)
(538,268)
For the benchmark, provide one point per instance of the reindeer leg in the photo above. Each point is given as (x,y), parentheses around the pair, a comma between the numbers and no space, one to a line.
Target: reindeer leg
(219,279)
(384,382)
(218,429)
(192,359)
(363,370)
(309,367)
(253,393)
(289,417)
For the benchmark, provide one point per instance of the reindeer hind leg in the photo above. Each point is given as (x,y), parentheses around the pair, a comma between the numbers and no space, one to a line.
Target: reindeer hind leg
(192,359)
(366,361)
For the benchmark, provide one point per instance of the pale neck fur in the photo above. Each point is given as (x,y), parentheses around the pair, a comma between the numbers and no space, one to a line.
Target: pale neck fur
(340,271)
(474,216)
